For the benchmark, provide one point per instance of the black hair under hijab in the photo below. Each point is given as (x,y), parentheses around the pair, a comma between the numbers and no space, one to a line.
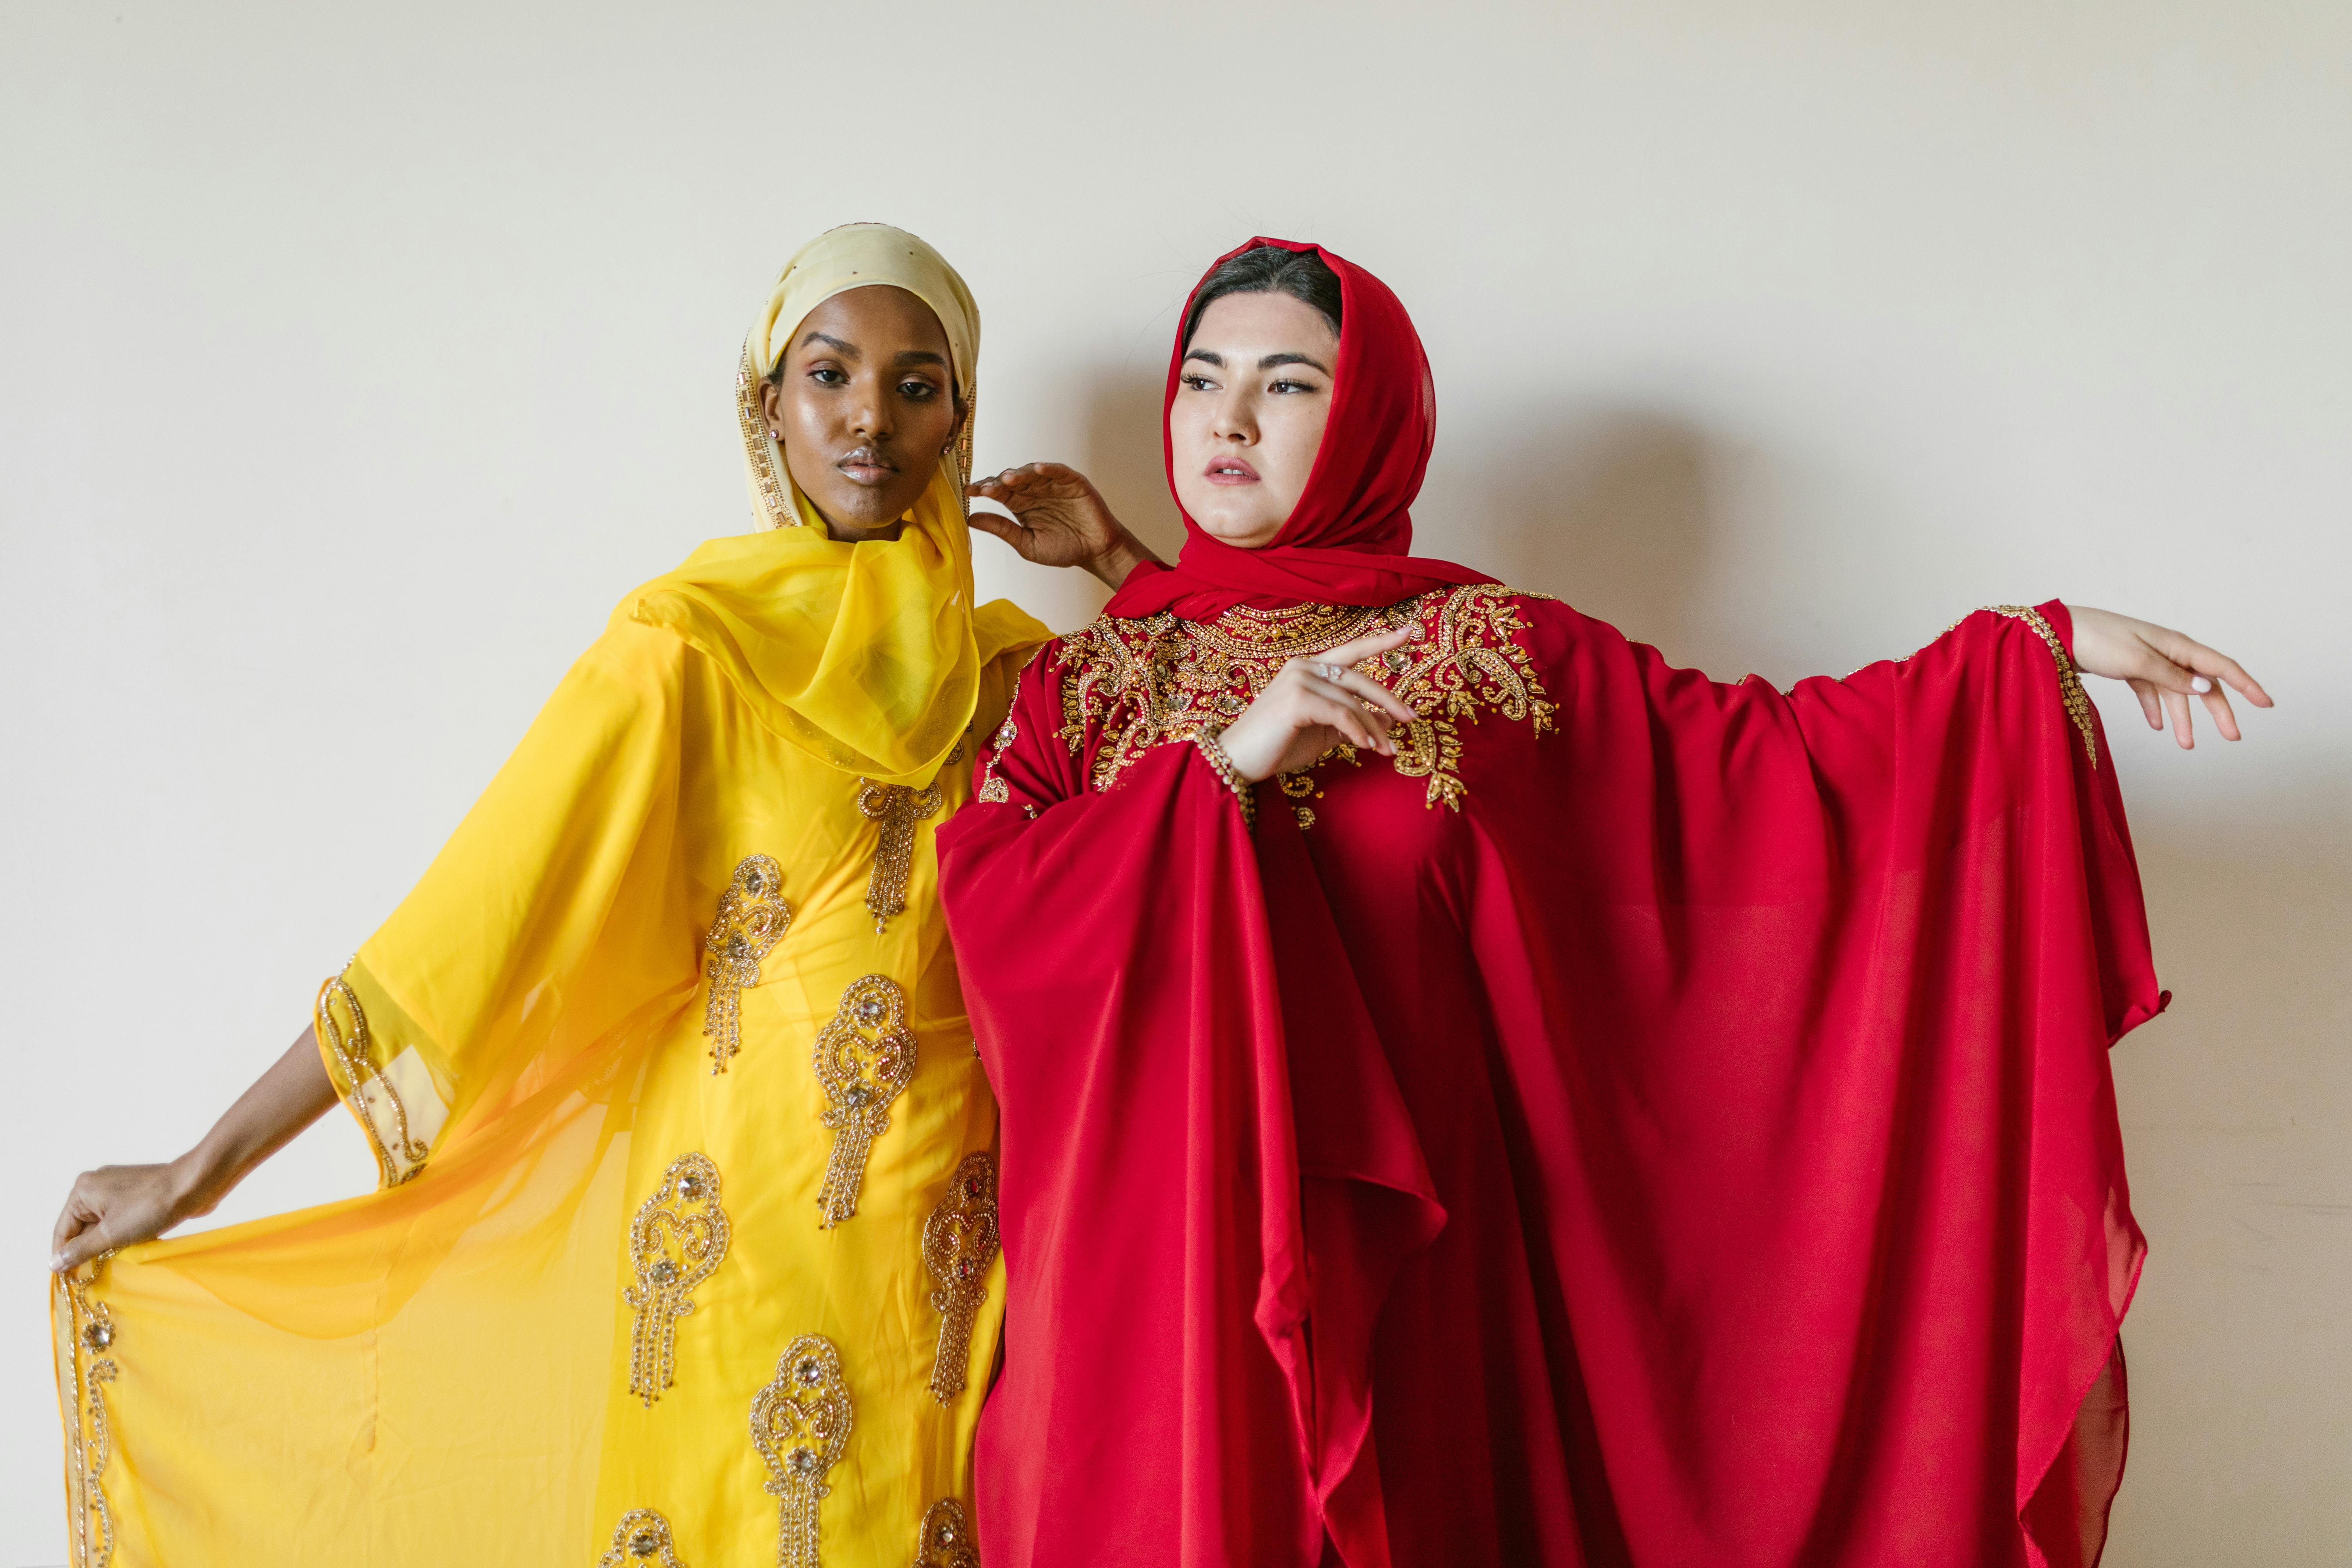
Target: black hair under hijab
(1269,269)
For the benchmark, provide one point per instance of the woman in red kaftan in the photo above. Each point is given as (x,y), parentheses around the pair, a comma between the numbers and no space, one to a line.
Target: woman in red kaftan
(1573,1111)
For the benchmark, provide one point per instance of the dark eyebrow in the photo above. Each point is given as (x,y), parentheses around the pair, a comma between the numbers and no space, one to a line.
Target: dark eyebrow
(1270,360)
(846,349)
(920,356)
(1205,357)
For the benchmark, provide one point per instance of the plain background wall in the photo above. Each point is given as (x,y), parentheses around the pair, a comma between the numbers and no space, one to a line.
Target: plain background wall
(354,361)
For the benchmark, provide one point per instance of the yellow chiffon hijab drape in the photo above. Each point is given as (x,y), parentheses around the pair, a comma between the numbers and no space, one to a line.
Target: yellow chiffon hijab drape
(822,635)
(611,1304)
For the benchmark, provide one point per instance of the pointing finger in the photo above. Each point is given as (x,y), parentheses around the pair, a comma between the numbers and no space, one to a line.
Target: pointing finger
(1370,647)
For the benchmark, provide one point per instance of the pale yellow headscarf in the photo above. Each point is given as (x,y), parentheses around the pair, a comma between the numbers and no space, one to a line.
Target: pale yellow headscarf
(867,653)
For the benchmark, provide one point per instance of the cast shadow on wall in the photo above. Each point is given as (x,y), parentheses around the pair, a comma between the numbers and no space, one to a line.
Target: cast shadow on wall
(1609,508)
(1624,512)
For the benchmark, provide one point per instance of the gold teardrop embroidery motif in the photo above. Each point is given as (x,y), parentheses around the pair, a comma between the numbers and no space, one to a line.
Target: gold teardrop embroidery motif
(642,1536)
(752,918)
(676,1242)
(946,1540)
(800,1424)
(897,808)
(863,1058)
(959,1242)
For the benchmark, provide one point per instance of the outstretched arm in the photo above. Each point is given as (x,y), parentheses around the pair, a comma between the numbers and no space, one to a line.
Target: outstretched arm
(2164,668)
(115,1205)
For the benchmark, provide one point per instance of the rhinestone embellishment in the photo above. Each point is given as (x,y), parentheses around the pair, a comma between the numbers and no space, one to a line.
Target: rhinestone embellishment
(750,921)
(799,1424)
(642,1536)
(898,809)
(959,1242)
(945,1541)
(863,1060)
(676,1242)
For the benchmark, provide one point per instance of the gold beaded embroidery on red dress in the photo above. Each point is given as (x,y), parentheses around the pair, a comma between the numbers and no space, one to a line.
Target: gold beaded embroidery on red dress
(1141,683)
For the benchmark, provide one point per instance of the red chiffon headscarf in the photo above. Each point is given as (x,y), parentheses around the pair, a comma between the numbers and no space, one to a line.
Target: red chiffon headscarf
(1347,539)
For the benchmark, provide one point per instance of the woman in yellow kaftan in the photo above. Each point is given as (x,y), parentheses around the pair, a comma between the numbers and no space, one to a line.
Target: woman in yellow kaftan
(686,1249)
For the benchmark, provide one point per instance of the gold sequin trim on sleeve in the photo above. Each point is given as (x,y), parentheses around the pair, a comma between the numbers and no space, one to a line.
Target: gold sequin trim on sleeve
(375,1101)
(642,1536)
(800,1424)
(958,1243)
(752,918)
(84,1331)
(2070,685)
(946,1539)
(863,1058)
(897,808)
(677,1241)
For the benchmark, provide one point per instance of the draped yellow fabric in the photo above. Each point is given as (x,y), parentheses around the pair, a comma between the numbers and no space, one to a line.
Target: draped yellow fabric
(686,1248)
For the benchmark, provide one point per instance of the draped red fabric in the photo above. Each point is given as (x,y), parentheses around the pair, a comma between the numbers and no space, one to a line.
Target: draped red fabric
(1653,1121)
(1345,542)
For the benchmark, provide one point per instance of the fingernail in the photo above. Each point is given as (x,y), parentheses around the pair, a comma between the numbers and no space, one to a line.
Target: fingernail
(56,1262)
(2200,685)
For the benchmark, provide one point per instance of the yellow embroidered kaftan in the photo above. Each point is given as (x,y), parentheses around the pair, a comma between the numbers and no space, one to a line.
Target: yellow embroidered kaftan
(686,1251)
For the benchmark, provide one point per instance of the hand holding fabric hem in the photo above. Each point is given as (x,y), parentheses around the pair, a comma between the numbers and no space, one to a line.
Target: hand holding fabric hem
(1314,704)
(2164,668)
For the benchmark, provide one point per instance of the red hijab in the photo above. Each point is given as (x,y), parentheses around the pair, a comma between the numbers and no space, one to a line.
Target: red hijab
(1347,540)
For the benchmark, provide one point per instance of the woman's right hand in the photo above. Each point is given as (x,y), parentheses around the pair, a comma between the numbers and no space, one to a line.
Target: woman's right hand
(1058,519)
(1314,704)
(116,1206)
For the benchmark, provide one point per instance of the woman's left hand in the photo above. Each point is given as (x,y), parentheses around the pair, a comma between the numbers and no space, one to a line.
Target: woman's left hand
(1058,519)
(2164,667)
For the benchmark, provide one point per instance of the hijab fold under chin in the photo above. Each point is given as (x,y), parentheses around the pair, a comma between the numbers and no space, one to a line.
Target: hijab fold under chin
(1347,539)
(866,655)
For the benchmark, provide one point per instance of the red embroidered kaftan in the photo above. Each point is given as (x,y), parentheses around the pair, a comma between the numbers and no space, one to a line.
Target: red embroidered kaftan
(1649,1122)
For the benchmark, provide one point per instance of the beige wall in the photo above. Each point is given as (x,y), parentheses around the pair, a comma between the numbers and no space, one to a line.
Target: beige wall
(354,360)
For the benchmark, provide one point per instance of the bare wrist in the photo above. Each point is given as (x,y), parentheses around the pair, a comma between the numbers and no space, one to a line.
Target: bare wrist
(199,1180)
(1122,557)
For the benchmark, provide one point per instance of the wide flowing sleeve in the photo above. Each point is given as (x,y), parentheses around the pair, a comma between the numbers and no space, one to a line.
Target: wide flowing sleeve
(544,925)
(1123,985)
(1806,999)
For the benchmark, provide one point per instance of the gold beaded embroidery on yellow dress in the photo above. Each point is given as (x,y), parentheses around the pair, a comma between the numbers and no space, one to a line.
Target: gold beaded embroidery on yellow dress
(958,1243)
(752,918)
(1144,682)
(799,1424)
(84,1336)
(946,1539)
(677,1241)
(897,809)
(864,1057)
(643,1536)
